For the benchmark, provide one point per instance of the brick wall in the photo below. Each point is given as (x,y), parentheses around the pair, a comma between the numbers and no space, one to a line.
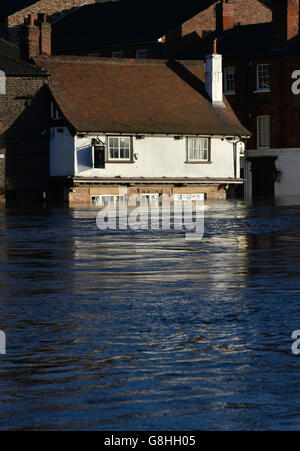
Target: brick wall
(245,13)
(24,139)
(280,103)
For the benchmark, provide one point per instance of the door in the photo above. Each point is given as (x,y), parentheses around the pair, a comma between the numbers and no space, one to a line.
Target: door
(263,176)
(99,157)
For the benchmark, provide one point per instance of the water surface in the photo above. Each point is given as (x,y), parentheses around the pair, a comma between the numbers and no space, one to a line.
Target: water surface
(145,330)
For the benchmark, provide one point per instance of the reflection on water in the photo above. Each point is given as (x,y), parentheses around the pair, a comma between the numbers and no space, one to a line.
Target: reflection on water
(145,330)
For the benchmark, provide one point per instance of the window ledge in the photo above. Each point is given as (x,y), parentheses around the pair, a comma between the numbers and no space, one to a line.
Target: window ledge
(119,162)
(198,162)
(230,93)
(261,90)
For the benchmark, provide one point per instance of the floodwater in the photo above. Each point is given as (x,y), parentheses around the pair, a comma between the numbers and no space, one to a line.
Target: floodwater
(143,330)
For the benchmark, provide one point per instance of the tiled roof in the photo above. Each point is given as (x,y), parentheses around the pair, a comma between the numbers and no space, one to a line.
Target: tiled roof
(137,96)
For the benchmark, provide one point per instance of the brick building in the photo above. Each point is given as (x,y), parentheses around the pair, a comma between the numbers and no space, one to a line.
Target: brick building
(160,30)
(261,64)
(24,125)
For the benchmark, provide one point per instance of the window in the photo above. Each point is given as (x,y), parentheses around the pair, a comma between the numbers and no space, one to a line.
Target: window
(119,149)
(99,157)
(198,150)
(263,77)
(118,54)
(229,80)
(142,54)
(263,131)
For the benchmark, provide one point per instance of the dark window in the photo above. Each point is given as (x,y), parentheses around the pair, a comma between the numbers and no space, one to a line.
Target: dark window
(99,157)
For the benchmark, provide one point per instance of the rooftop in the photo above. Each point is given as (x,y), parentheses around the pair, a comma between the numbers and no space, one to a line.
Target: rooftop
(137,96)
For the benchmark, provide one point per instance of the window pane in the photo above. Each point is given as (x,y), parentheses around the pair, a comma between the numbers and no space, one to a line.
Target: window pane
(263,131)
(263,77)
(119,148)
(198,149)
(230,79)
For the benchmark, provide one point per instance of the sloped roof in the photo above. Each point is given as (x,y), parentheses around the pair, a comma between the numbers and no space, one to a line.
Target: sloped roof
(137,96)
(9,49)
(12,66)
(9,7)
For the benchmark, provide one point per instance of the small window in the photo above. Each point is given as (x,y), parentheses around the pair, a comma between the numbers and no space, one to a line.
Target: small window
(198,150)
(119,149)
(142,54)
(263,131)
(118,54)
(263,82)
(229,80)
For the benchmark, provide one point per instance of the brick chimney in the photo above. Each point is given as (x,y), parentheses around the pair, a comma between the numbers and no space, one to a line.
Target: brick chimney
(30,39)
(224,16)
(285,21)
(214,77)
(35,40)
(45,35)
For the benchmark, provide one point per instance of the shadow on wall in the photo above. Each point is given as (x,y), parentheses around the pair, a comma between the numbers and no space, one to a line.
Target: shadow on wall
(27,149)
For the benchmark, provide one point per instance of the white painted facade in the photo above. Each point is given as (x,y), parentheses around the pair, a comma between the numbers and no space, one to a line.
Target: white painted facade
(154,157)
(287,165)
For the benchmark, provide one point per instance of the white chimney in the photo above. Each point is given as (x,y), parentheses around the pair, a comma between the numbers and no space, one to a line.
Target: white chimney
(214,77)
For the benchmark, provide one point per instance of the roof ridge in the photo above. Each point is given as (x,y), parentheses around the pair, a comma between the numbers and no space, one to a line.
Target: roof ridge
(114,61)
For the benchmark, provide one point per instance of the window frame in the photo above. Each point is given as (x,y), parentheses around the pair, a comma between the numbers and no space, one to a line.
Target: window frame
(206,161)
(142,50)
(258,132)
(229,91)
(259,78)
(118,54)
(119,160)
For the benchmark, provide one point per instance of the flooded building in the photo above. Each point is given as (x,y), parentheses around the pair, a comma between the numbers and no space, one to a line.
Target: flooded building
(152,126)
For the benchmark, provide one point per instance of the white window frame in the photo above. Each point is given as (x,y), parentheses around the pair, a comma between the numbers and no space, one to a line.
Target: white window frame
(227,79)
(206,148)
(118,54)
(142,54)
(261,78)
(264,134)
(109,148)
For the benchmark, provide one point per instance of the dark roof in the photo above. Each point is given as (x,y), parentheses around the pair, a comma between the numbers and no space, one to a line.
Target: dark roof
(137,96)
(9,49)
(123,22)
(240,42)
(9,7)
(15,67)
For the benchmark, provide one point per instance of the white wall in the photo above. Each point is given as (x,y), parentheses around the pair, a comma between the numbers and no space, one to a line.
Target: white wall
(288,164)
(158,157)
(62,147)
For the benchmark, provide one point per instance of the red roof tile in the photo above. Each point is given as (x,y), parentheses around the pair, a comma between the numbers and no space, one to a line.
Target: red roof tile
(130,96)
